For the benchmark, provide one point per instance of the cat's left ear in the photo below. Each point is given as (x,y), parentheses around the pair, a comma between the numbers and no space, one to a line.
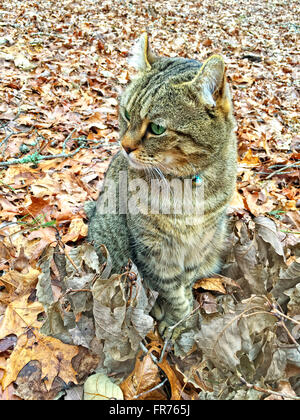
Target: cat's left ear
(142,57)
(211,81)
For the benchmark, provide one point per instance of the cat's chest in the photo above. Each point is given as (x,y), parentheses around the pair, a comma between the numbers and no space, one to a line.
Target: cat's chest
(176,241)
(185,242)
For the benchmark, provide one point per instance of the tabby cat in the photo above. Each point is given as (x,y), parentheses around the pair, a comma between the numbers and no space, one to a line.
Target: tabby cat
(175,121)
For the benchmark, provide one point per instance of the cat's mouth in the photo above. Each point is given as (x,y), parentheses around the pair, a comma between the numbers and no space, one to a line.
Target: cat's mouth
(164,167)
(135,163)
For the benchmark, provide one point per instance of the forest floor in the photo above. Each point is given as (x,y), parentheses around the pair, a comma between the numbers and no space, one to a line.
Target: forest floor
(63,65)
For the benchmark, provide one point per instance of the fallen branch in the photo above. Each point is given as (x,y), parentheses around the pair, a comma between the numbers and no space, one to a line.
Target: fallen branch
(278,171)
(268,391)
(36,157)
(152,389)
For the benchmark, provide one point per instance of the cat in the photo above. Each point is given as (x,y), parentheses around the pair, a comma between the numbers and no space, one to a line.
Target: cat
(176,122)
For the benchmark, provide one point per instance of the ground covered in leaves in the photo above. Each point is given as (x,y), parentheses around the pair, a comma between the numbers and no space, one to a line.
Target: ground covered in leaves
(63,65)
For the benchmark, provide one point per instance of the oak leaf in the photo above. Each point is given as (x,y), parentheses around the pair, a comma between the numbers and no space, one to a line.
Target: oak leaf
(20,316)
(53,355)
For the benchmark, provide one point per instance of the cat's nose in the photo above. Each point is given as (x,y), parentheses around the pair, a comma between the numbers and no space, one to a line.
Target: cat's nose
(129,149)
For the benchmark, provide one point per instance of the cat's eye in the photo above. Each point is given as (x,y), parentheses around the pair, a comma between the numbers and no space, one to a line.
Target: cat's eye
(156,129)
(127,116)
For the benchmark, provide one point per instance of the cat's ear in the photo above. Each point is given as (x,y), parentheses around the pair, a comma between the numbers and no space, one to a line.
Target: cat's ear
(142,57)
(211,81)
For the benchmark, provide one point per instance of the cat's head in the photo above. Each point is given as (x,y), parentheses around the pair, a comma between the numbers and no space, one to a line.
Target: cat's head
(176,115)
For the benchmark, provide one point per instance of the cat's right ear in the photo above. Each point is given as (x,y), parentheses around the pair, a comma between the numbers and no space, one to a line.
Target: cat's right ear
(211,81)
(142,57)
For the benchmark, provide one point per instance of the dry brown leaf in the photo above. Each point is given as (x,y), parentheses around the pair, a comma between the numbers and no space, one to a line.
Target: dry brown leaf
(54,356)
(237,201)
(250,159)
(21,282)
(46,237)
(21,320)
(21,263)
(5,253)
(20,316)
(38,206)
(252,201)
(175,384)
(77,230)
(213,284)
(143,378)
(81,91)
(9,393)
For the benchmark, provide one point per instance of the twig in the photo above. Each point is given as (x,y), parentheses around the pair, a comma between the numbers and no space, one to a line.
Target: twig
(36,157)
(7,138)
(290,231)
(152,389)
(12,133)
(282,324)
(67,139)
(62,245)
(279,166)
(282,169)
(163,350)
(280,315)
(267,391)
(184,318)
(75,291)
(7,186)
(145,350)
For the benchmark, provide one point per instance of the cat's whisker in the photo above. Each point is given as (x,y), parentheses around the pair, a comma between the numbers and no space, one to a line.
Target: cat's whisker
(162,177)
(153,172)
(148,172)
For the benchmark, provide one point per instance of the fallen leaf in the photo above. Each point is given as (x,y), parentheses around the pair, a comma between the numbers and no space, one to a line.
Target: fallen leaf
(211,283)
(21,262)
(46,236)
(54,357)
(266,228)
(144,377)
(23,63)
(208,303)
(250,159)
(252,202)
(20,315)
(100,387)
(38,206)
(21,282)
(77,230)
(175,384)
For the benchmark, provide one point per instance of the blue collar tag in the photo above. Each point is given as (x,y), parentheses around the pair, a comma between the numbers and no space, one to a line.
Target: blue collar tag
(197,180)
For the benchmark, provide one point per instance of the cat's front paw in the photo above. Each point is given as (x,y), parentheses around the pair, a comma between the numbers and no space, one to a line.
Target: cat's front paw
(158,311)
(168,331)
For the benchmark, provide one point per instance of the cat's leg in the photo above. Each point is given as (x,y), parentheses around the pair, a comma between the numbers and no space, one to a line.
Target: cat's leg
(172,308)
(158,311)
(111,231)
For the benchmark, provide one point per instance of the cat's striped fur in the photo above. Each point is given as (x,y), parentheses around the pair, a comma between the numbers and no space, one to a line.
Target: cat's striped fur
(192,102)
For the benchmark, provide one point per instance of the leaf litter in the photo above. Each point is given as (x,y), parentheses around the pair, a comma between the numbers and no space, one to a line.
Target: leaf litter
(61,76)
